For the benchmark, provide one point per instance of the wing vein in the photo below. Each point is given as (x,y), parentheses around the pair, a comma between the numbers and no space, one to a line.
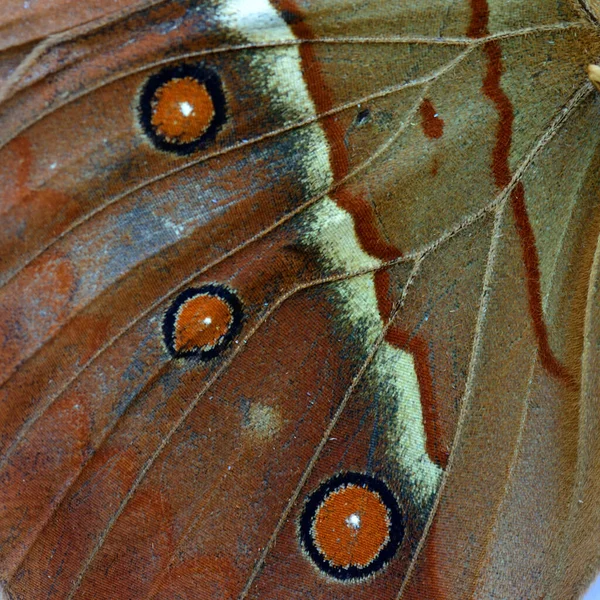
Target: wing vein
(166,440)
(248,143)
(326,434)
(500,206)
(43,407)
(434,41)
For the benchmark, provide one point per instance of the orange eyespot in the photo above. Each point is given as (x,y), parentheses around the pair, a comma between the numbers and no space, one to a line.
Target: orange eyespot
(182,108)
(202,321)
(351,526)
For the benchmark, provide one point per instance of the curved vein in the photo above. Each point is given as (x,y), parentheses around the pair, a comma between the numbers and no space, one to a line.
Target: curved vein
(182,419)
(327,432)
(550,132)
(257,237)
(248,143)
(425,40)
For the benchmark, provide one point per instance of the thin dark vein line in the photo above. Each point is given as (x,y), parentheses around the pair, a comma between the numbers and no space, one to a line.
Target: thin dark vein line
(465,404)
(257,237)
(579,96)
(232,461)
(563,115)
(581,6)
(587,398)
(468,222)
(59,500)
(63,36)
(166,440)
(485,558)
(66,35)
(248,143)
(563,237)
(272,308)
(458,41)
(525,407)
(500,207)
(234,147)
(318,117)
(327,432)
(578,480)
(201,509)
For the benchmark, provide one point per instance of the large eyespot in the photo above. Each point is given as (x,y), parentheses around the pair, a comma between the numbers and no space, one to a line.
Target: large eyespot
(202,321)
(351,526)
(182,108)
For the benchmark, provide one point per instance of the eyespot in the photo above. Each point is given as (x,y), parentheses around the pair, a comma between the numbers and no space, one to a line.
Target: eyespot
(202,321)
(182,108)
(351,526)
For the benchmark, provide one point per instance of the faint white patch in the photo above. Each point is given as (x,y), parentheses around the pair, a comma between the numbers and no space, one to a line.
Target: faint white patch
(262,422)
(207,320)
(177,228)
(53,166)
(331,229)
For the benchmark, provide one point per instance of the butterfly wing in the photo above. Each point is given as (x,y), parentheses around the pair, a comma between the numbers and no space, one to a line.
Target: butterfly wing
(382,221)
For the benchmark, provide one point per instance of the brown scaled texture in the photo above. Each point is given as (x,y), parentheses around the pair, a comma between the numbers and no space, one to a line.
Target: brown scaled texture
(404,201)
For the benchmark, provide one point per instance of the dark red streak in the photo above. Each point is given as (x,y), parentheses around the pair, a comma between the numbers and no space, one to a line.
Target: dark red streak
(480,15)
(534,292)
(382,286)
(432,124)
(366,226)
(364,218)
(361,211)
(502,177)
(493,90)
(419,349)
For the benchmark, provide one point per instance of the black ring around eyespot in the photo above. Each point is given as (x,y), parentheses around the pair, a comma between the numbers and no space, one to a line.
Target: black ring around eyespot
(314,501)
(221,292)
(202,75)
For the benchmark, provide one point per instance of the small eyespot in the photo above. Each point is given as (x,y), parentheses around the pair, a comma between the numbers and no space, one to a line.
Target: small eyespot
(182,108)
(202,322)
(351,526)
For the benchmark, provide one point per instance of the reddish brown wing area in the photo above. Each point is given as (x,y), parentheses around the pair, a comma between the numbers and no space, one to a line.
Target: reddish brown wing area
(24,22)
(24,25)
(153,445)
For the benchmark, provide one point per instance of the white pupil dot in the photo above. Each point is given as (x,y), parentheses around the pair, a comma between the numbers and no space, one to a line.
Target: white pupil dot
(207,321)
(353,521)
(186,108)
